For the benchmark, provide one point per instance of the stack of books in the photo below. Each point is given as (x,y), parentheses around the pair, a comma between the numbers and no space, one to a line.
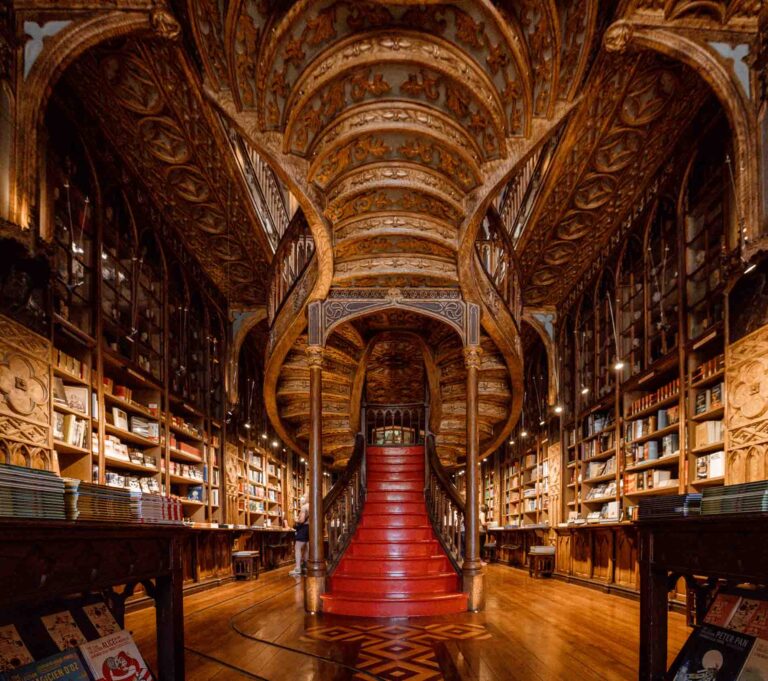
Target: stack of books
(671,506)
(89,501)
(749,497)
(30,493)
(153,508)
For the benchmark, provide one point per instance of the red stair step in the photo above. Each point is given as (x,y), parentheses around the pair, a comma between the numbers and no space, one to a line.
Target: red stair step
(393,507)
(393,533)
(387,549)
(395,520)
(394,476)
(362,585)
(395,485)
(414,605)
(393,567)
(394,497)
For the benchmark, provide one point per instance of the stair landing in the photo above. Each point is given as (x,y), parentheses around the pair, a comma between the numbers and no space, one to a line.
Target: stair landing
(394,566)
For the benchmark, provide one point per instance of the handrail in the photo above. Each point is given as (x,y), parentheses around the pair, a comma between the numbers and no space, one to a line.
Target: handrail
(343,505)
(498,260)
(292,257)
(445,506)
(395,424)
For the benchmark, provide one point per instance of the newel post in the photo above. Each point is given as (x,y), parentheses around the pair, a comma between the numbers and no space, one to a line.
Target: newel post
(314,584)
(473,576)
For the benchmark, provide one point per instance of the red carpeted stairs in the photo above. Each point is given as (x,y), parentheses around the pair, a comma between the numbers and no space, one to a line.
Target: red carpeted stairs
(394,565)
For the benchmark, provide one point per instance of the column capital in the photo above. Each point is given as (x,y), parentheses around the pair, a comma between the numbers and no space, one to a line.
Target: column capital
(472,354)
(315,354)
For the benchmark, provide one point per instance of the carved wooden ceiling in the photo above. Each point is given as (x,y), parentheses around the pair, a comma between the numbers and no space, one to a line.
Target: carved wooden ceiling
(145,98)
(634,111)
(395,372)
(394,120)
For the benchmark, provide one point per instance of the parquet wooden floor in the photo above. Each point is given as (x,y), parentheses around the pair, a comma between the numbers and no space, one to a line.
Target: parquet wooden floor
(531,630)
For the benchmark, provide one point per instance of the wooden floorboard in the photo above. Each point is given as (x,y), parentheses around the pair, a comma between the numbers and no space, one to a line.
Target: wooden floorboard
(530,630)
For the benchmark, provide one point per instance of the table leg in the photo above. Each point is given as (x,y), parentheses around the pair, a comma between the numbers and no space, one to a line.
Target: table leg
(653,623)
(169,607)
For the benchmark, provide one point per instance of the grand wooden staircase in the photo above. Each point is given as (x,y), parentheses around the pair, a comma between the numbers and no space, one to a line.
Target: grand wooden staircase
(394,565)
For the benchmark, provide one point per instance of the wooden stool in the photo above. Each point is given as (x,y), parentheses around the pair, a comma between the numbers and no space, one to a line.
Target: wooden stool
(490,551)
(541,561)
(245,564)
(510,547)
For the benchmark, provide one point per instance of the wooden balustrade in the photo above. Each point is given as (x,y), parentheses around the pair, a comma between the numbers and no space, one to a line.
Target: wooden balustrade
(395,424)
(445,506)
(293,255)
(497,257)
(343,505)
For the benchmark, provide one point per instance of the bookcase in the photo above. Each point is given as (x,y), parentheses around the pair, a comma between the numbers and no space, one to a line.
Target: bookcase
(524,480)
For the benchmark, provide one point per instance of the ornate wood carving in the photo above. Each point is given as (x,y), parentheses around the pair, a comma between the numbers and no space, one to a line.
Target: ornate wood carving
(25,398)
(747,408)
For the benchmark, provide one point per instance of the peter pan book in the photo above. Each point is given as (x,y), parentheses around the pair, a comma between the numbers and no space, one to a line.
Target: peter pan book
(711,654)
(115,658)
(66,666)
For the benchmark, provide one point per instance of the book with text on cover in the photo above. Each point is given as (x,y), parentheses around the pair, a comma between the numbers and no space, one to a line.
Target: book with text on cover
(115,658)
(66,666)
(721,611)
(756,667)
(711,654)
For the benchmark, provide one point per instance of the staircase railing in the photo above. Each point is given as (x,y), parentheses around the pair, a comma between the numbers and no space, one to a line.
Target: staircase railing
(445,506)
(343,505)
(395,424)
(293,255)
(498,259)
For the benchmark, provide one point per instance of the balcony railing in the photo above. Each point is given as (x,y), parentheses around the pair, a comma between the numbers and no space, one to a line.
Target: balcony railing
(395,424)
(343,505)
(498,259)
(445,505)
(292,257)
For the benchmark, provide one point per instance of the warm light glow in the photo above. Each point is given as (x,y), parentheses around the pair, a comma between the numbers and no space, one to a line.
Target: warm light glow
(247,425)
(584,390)
(542,422)
(558,409)
(264,436)
(524,433)
(750,268)
(511,442)
(275,443)
(619,365)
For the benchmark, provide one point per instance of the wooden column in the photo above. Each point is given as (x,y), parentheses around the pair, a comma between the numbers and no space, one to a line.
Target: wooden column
(314,584)
(473,576)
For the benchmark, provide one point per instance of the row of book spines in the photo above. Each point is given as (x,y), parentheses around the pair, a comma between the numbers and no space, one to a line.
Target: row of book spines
(665,392)
(69,364)
(708,368)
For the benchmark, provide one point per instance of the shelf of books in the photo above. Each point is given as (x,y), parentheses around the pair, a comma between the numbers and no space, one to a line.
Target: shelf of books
(261,478)
(187,463)
(298,484)
(572,476)
(525,482)
(651,436)
(212,447)
(488,477)
(595,473)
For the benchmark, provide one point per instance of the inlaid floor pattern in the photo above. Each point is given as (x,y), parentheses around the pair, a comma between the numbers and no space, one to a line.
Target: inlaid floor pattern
(531,630)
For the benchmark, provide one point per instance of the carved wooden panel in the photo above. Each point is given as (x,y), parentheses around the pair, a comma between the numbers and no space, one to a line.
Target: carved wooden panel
(25,398)
(625,557)
(602,555)
(563,553)
(555,460)
(582,554)
(747,408)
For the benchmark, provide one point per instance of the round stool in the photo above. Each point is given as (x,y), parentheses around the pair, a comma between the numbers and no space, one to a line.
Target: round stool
(541,561)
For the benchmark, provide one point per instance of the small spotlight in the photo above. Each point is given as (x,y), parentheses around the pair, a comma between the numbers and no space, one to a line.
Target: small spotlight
(559,409)
(247,425)
(542,422)
(264,436)
(303,461)
(750,267)
(275,443)
(619,365)
(584,390)
(524,433)
(511,442)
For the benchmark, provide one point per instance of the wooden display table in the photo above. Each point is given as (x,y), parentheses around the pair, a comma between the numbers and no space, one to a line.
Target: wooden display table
(514,543)
(729,547)
(41,561)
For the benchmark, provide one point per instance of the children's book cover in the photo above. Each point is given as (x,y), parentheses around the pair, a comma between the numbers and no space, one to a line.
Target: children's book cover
(13,652)
(101,618)
(66,666)
(63,630)
(711,654)
(115,658)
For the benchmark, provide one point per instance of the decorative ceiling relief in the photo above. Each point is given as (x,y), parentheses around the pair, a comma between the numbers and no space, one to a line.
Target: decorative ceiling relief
(615,143)
(143,89)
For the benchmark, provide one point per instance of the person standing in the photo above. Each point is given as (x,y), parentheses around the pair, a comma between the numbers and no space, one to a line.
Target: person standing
(483,522)
(302,536)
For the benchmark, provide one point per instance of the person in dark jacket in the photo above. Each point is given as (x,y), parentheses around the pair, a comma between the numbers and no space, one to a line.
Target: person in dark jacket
(302,536)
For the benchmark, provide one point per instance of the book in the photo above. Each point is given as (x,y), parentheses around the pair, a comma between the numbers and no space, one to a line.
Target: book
(13,652)
(115,658)
(722,609)
(63,629)
(101,618)
(742,616)
(120,418)
(77,398)
(66,666)
(59,393)
(713,654)
(756,667)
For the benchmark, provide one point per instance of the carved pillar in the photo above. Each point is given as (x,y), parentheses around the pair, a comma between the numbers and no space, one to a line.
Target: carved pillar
(314,584)
(473,576)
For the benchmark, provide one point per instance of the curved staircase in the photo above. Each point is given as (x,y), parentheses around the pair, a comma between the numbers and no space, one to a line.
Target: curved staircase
(394,565)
